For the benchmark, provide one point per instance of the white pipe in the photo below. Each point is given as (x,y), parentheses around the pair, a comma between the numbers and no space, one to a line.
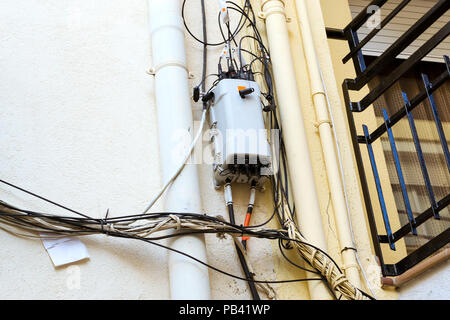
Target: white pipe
(188,279)
(303,188)
(328,147)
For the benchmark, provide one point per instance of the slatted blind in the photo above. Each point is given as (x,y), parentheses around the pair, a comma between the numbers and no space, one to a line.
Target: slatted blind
(402,22)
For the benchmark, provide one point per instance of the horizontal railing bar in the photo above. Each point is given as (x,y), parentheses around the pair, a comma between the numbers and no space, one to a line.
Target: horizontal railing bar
(384,60)
(400,114)
(420,219)
(418,255)
(375,31)
(364,15)
(395,75)
(337,34)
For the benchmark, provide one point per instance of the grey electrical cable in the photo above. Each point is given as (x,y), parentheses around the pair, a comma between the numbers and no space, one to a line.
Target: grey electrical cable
(178,171)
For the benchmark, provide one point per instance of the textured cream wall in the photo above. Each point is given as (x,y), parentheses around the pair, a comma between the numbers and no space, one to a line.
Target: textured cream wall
(78,125)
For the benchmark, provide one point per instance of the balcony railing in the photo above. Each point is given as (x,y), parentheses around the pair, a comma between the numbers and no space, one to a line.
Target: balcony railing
(365,73)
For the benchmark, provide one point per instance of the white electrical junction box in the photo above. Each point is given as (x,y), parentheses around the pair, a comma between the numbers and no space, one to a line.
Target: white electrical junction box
(240,147)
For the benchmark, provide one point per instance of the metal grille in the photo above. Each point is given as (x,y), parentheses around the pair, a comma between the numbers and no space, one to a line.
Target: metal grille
(367,71)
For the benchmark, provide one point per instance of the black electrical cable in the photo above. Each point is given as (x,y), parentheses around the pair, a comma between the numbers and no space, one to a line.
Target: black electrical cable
(280,245)
(305,269)
(244,265)
(252,23)
(236,31)
(205,46)
(231,37)
(258,38)
(44,199)
(217,269)
(279,184)
(249,52)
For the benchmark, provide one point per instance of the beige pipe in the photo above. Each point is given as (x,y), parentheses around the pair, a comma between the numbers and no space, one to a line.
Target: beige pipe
(301,174)
(417,269)
(328,147)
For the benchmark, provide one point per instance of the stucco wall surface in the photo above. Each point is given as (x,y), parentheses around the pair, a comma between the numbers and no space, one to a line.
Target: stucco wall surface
(434,284)
(78,125)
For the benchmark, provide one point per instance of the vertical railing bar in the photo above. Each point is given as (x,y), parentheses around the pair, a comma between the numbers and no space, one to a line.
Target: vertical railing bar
(361,63)
(420,156)
(379,189)
(447,63)
(437,120)
(400,176)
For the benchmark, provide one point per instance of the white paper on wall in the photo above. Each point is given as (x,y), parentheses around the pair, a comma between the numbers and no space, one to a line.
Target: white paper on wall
(64,250)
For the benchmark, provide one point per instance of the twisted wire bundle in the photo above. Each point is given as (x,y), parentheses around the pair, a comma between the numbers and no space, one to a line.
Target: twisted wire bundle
(30,224)
(322,263)
(141,226)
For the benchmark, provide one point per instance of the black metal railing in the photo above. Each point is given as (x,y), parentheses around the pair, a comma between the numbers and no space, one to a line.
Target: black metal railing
(365,73)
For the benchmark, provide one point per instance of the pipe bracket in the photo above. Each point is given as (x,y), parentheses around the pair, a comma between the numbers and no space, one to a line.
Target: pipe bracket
(263,15)
(318,123)
(277,7)
(171,63)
